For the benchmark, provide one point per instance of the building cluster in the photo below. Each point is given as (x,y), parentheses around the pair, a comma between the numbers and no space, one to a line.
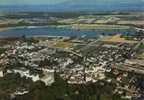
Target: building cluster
(87,63)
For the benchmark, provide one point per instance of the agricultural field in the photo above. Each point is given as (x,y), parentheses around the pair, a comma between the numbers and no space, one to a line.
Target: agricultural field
(61,44)
(118,39)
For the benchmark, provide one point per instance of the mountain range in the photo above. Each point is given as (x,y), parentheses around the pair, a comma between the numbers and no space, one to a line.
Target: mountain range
(81,5)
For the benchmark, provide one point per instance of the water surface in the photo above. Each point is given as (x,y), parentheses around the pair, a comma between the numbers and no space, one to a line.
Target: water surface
(53,31)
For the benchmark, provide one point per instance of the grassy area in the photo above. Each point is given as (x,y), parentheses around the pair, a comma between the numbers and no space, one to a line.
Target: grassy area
(61,44)
(141,54)
(3,29)
(141,46)
(2,50)
(118,39)
(60,90)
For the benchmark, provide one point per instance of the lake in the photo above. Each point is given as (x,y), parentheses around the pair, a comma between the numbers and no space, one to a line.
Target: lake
(54,31)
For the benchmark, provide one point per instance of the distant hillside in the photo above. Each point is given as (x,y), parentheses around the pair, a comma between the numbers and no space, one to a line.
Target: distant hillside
(101,2)
(82,5)
(104,5)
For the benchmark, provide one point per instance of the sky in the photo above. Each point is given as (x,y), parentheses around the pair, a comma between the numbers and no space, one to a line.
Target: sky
(29,2)
(49,2)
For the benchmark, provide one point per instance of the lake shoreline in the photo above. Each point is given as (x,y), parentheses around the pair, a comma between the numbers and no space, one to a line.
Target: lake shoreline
(59,31)
(3,29)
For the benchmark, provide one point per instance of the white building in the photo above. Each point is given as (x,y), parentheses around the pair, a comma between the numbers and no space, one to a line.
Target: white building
(1,74)
(48,77)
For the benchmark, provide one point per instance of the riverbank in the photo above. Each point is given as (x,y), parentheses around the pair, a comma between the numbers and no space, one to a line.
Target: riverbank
(99,26)
(74,26)
(73,30)
(32,27)
(3,29)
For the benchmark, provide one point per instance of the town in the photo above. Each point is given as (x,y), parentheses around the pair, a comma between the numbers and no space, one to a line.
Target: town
(114,59)
(71,49)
